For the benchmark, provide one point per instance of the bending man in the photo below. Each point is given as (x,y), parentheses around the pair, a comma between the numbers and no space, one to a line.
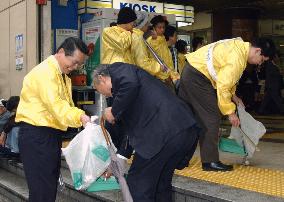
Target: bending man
(160,127)
(208,84)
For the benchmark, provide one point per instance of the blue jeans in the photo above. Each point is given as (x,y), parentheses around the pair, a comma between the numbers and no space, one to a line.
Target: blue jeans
(12,140)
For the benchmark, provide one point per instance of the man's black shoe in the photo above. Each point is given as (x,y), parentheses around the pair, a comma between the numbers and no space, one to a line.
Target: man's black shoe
(216,166)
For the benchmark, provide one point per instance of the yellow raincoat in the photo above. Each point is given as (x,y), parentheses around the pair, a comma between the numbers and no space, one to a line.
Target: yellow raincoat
(46,100)
(141,54)
(160,46)
(181,62)
(229,61)
(116,45)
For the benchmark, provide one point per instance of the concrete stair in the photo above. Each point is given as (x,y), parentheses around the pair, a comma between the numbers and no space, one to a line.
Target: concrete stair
(13,188)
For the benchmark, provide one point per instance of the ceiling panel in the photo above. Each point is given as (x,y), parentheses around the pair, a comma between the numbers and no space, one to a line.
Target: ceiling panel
(267,8)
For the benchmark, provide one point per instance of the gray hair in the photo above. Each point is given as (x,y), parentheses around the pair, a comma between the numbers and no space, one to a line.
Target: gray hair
(101,70)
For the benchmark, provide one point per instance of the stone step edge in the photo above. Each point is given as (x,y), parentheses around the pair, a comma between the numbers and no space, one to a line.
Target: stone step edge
(17,169)
(181,186)
(11,192)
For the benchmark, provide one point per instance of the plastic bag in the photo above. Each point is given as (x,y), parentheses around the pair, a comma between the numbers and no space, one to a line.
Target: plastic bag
(87,156)
(249,133)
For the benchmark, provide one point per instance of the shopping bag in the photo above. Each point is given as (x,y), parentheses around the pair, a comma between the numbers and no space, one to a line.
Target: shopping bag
(87,156)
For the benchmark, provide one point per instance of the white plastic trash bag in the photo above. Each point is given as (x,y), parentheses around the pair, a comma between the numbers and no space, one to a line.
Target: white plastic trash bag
(87,156)
(249,133)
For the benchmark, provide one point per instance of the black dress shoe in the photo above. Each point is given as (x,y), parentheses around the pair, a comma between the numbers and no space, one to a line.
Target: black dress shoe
(216,166)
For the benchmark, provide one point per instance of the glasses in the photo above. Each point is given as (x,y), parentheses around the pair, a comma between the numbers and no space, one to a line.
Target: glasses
(74,63)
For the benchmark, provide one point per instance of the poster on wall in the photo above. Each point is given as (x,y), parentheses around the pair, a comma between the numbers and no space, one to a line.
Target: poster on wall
(62,34)
(91,36)
(19,54)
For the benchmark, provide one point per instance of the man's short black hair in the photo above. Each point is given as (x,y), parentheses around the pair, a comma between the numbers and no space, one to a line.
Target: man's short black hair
(181,46)
(12,103)
(169,31)
(266,45)
(70,44)
(195,41)
(112,24)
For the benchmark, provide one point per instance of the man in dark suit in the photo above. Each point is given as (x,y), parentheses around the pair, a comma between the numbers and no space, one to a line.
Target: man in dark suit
(159,126)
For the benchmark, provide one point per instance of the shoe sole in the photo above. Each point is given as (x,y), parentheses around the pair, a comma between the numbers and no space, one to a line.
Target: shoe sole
(215,170)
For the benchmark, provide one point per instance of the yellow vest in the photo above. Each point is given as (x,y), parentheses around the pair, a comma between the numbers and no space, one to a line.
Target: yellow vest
(46,100)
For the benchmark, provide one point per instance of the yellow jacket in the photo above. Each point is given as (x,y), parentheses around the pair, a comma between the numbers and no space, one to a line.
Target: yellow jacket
(160,46)
(141,55)
(116,45)
(45,100)
(181,62)
(229,61)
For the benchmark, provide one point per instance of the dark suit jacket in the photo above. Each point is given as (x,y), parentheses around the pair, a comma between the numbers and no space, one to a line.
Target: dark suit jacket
(150,113)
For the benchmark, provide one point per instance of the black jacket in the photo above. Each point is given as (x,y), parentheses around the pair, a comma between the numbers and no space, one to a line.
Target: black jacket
(150,113)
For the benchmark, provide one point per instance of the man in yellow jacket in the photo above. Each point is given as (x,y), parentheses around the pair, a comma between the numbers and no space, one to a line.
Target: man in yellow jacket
(208,84)
(116,40)
(141,55)
(159,44)
(44,113)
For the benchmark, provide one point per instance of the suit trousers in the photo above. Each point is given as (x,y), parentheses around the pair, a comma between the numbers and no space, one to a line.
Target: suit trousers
(150,180)
(40,150)
(197,91)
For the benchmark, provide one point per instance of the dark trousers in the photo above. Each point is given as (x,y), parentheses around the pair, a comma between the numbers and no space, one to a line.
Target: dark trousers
(40,150)
(150,180)
(197,90)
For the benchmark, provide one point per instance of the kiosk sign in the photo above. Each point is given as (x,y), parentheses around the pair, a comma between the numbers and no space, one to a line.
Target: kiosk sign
(151,7)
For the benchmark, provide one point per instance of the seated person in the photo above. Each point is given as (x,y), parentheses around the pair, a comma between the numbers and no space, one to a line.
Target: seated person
(4,114)
(9,135)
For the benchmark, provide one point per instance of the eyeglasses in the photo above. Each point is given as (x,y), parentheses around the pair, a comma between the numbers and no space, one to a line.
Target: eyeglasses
(74,63)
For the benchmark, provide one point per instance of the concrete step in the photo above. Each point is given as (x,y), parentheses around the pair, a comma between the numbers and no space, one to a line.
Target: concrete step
(69,191)
(13,188)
